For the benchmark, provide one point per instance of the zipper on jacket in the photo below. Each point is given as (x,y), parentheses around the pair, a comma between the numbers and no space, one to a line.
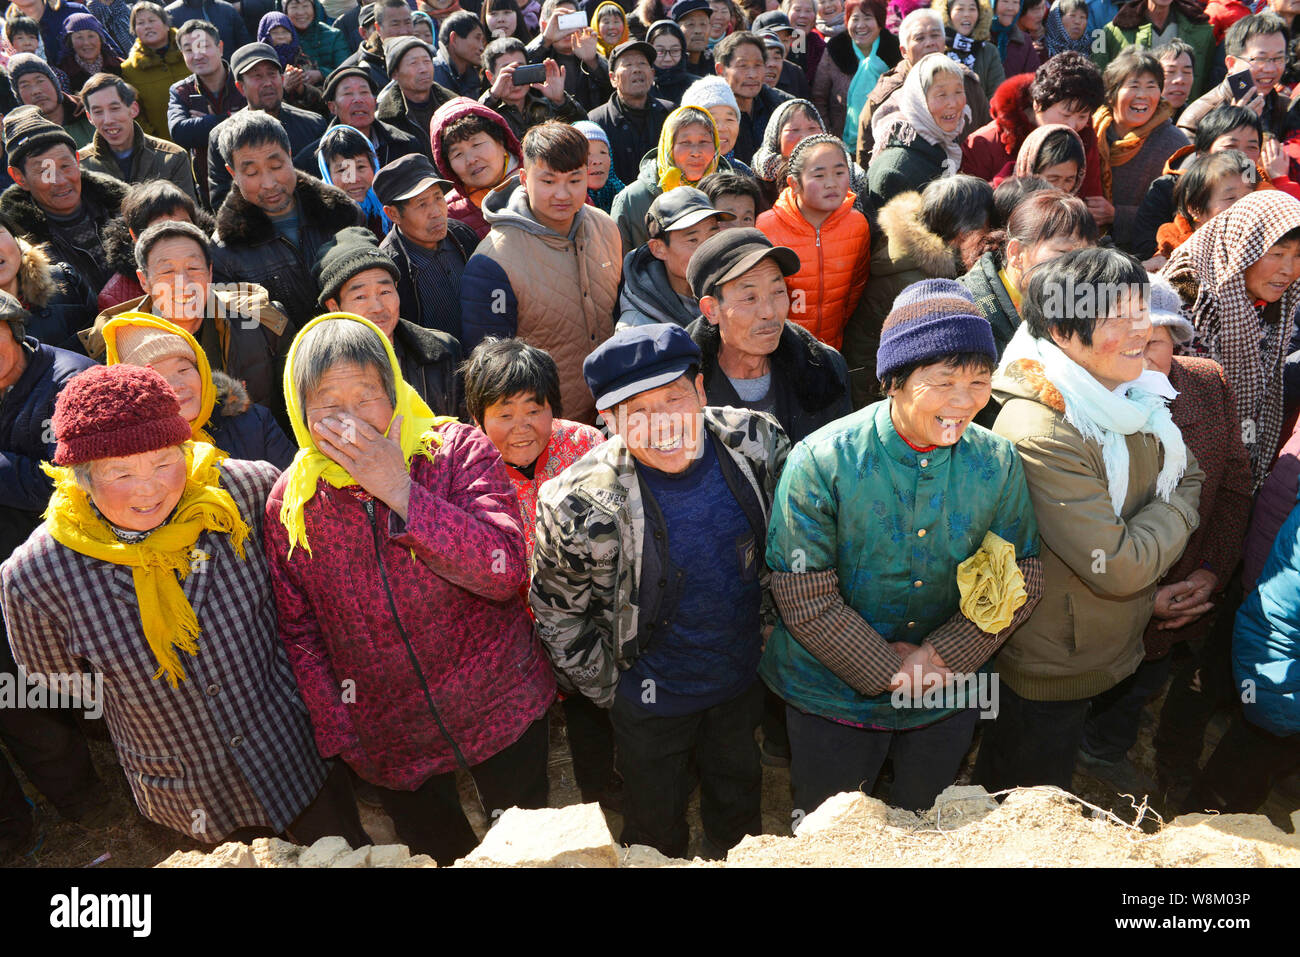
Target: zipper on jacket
(419,672)
(821,281)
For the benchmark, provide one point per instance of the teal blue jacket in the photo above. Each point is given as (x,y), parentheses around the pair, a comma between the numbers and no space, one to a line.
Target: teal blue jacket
(853,497)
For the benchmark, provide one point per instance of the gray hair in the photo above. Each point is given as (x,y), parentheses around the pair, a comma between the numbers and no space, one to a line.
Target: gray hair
(81,475)
(916,19)
(327,344)
(934,64)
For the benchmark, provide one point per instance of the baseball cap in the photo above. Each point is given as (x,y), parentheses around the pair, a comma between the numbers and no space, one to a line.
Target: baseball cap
(683,7)
(732,253)
(682,208)
(406,177)
(251,54)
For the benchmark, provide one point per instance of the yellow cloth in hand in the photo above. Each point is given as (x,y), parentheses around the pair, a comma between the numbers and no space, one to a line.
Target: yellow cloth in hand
(991,584)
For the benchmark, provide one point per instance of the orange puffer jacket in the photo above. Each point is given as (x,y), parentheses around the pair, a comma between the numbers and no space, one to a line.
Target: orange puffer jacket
(834,263)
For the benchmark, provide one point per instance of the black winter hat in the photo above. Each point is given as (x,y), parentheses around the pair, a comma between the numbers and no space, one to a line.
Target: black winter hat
(352,251)
(26,132)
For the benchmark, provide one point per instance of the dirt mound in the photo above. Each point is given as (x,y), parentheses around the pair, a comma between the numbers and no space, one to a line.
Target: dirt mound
(1031,827)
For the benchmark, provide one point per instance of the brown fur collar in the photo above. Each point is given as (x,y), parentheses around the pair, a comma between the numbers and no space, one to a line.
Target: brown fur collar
(900,220)
(1029,372)
(35,279)
(232,397)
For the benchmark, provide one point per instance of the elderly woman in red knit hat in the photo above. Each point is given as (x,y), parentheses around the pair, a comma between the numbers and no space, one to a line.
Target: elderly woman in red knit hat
(148,573)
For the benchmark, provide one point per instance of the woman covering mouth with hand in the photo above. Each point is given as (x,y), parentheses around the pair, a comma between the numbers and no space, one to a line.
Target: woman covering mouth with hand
(1135,135)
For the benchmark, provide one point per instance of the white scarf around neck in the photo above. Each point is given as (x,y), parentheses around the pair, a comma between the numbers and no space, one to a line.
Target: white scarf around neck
(1107,416)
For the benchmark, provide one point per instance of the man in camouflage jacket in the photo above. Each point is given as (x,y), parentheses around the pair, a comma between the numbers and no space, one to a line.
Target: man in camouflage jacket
(650,591)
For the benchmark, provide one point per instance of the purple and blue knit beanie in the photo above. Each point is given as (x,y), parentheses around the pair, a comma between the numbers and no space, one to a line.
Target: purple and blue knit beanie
(931,319)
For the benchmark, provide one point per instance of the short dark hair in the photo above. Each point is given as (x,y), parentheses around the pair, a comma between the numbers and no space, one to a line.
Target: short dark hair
(1176,48)
(725,51)
(343,141)
(252,128)
(21,26)
(169,229)
(1010,193)
(954,360)
(148,6)
(1251,26)
(1196,185)
(1069,295)
(467,127)
(197,26)
(1069,77)
(103,81)
(145,202)
(1132,62)
(558,145)
(499,48)
(500,368)
(952,205)
(1051,214)
(1221,121)
(1059,146)
(731,184)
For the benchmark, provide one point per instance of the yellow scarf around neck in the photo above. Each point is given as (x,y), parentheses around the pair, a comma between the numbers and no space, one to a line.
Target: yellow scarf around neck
(161,561)
(419,435)
(1125,147)
(208,396)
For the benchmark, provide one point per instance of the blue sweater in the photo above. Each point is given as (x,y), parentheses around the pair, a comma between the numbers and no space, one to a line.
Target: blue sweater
(704,645)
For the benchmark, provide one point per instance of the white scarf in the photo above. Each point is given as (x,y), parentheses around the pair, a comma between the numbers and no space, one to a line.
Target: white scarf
(913,119)
(1106,416)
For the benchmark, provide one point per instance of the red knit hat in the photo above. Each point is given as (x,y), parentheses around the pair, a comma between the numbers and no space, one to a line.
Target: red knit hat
(113,411)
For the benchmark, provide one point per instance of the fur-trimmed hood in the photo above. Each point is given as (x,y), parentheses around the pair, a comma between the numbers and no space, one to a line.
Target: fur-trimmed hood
(240,223)
(1007,106)
(908,238)
(232,396)
(29,219)
(36,282)
(800,361)
(982,25)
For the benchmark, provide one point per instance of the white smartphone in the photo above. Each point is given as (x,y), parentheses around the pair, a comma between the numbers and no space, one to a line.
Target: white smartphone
(570,22)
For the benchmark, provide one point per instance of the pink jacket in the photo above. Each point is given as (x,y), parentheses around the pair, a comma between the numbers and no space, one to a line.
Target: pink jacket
(410,643)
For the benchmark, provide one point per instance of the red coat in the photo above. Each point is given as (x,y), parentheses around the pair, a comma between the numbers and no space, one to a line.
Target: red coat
(452,571)
(990,151)
(570,441)
(833,263)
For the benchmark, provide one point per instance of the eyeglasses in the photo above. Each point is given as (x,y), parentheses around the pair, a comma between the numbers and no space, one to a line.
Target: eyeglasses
(1265,60)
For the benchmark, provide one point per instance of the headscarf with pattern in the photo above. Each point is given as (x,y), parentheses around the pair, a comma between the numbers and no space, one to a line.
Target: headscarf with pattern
(913,119)
(1210,271)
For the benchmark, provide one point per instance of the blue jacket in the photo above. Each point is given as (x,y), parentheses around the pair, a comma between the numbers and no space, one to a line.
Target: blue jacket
(244,430)
(26,438)
(1266,642)
(219,13)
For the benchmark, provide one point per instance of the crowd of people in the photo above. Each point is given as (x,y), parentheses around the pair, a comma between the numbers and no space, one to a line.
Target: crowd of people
(832,385)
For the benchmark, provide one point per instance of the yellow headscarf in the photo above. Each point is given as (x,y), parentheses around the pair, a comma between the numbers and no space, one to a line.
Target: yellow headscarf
(419,435)
(670,177)
(161,561)
(606,50)
(208,396)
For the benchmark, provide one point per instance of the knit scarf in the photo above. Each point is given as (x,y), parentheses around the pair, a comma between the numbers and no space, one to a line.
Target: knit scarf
(161,561)
(670,177)
(1210,266)
(310,465)
(603,198)
(832,27)
(1058,40)
(1106,417)
(1127,146)
(208,396)
(913,119)
(1002,35)
(962,48)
